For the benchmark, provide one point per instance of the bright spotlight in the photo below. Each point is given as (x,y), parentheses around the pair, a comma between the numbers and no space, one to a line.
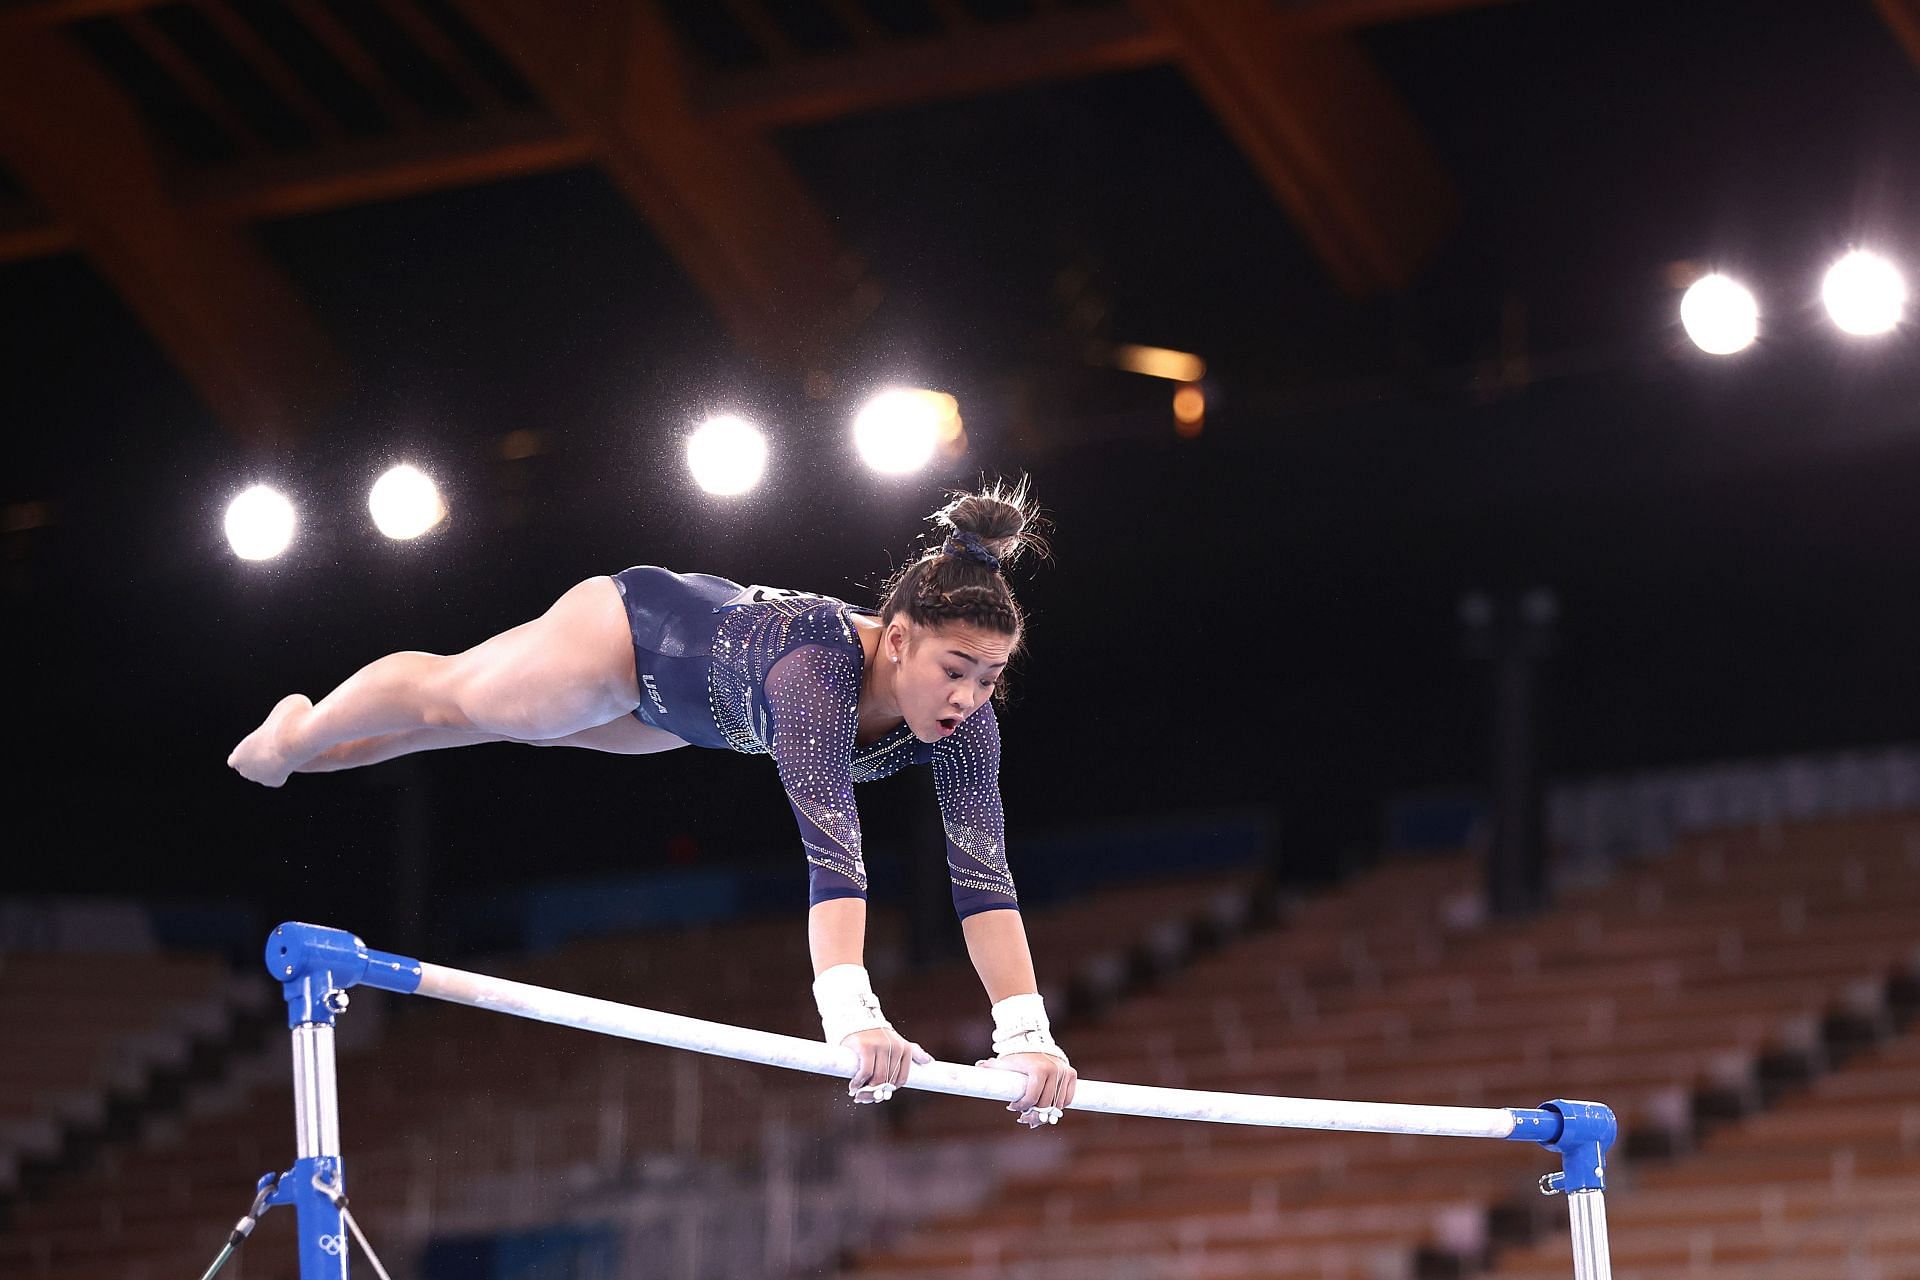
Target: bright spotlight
(1864,293)
(405,503)
(1720,315)
(898,431)
(727,455)
(259,523)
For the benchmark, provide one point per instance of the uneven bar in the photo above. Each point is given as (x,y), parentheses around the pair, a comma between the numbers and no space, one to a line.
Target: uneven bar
(632,1023)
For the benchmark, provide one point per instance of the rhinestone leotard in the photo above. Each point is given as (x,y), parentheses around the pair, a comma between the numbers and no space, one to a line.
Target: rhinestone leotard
(782,672)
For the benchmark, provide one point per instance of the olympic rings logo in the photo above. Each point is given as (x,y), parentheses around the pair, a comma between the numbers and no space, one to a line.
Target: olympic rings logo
(333,1246)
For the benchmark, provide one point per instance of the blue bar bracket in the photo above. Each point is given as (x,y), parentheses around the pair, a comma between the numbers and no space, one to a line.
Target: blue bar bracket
(315,966)
(322,1226)
(1584,1135)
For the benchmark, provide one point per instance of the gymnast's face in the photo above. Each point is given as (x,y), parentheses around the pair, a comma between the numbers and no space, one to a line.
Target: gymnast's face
(944,673)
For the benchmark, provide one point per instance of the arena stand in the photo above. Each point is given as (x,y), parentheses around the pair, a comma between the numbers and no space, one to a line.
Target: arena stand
(1733,980)
(98,1027)
(1690,991)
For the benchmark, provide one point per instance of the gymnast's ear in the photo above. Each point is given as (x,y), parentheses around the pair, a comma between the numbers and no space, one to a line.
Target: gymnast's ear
(897,639)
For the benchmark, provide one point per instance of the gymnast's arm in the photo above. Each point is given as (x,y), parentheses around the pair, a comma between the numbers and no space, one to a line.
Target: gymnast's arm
(813,694)
(997,945)
(966,776)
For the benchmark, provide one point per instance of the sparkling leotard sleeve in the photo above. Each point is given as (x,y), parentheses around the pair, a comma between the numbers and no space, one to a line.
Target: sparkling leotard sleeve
(966,777)
(813,694)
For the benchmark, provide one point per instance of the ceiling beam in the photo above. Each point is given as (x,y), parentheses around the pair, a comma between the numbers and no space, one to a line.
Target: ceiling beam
(1325,131)
(461,153)
(52,13)
(26,231)
(1321,15)
(1903,19)
(210,298)
(1349,15)
(979,59)
(721,199)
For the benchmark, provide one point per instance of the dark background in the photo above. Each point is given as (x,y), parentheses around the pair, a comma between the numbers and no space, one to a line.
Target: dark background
(1263,615)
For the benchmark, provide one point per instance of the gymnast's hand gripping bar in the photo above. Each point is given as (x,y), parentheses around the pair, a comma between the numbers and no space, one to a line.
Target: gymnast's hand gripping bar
(316,966)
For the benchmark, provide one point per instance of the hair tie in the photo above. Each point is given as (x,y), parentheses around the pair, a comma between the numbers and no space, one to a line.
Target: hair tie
(967,544)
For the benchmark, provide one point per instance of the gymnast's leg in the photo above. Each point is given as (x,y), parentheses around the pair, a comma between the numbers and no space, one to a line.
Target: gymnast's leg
(569,670)
(625,736)
(391,746)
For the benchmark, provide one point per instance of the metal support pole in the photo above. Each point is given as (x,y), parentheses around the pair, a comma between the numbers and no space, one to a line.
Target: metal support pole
(1591,1260)
(316,1117)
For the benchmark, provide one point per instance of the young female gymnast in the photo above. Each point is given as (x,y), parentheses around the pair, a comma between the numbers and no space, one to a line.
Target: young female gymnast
(649,660)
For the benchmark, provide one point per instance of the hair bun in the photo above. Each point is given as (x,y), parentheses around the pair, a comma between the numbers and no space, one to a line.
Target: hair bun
(1004,518)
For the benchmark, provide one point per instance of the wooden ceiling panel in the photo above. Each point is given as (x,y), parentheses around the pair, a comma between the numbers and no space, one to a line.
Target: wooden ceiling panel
(1349,15)
(721,199)
(978,59)
(28,231)
(459,153)
(210,298)
(1903,19)
(1326,132)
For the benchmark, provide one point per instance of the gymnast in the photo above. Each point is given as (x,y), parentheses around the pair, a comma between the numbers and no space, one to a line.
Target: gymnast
(648,660)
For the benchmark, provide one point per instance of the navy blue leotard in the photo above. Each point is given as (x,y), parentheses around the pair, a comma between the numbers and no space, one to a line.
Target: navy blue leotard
(768,671)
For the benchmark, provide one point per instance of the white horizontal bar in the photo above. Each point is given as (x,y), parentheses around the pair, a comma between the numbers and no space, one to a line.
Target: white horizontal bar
(610,1018)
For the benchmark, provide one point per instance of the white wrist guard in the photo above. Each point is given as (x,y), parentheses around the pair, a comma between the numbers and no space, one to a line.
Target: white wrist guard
(1020,1026)
(846,1002)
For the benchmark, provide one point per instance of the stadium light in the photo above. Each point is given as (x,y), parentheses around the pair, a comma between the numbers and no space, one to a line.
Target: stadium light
(405,503)
(1864,294)
(899,430)
(1159,362)
(259,523)
(727,455)
(1189,411)
(1720,315)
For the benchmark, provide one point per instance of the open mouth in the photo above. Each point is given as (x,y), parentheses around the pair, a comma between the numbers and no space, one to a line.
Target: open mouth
(948,723)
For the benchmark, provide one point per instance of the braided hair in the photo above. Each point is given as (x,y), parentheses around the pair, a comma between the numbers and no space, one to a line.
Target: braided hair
(961,578)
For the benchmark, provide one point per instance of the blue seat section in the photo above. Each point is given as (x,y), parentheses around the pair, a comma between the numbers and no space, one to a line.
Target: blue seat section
(545,1253)
(1049,868)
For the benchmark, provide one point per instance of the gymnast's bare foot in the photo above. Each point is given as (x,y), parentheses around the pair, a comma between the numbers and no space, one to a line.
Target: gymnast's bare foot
(261,756)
